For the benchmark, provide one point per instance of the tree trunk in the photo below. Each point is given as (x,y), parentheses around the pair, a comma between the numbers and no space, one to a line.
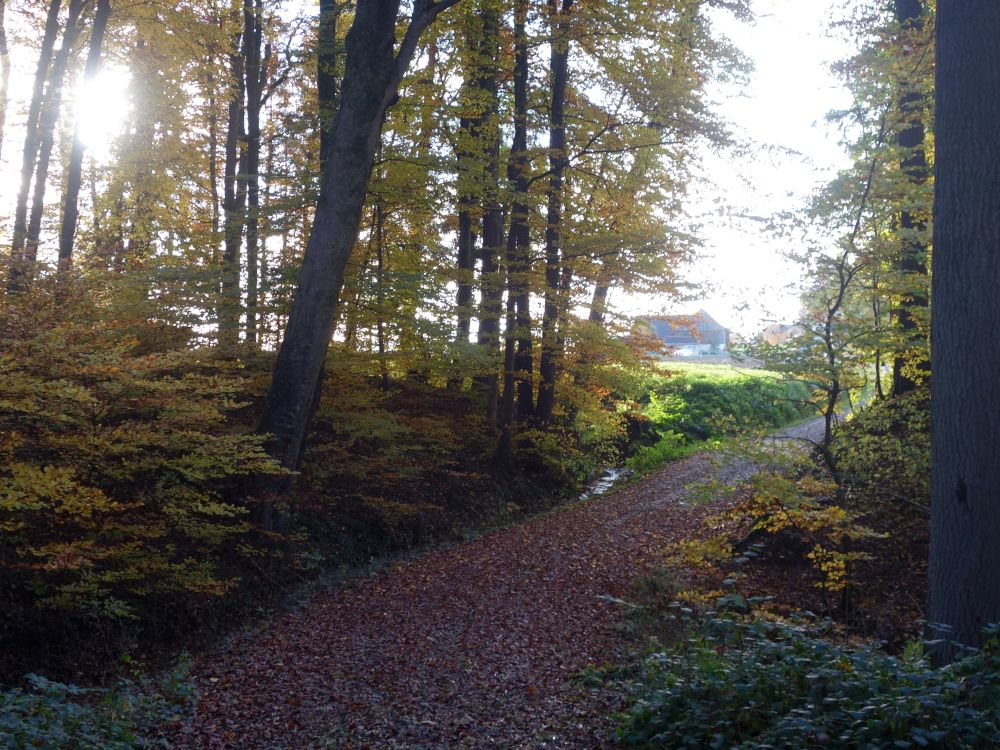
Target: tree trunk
(47,131)
(912,261)
(519,238)
(74,173)
(383,367)
(252,17)
(491,296)
(599,301)
(559,68)
(469,184)
(372,75)
(4,72)
(326,76)
(32,137)
(233,201)
(964,590)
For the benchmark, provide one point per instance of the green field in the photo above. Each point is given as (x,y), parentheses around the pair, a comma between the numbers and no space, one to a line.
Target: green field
(687,405)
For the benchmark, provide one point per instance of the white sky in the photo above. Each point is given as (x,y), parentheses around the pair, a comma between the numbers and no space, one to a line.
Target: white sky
(793,150)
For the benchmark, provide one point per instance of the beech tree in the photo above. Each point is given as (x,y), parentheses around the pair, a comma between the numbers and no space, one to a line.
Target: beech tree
(373,70)
(912,258)
(74,173)
(4,71)
(964,590)
(32,140)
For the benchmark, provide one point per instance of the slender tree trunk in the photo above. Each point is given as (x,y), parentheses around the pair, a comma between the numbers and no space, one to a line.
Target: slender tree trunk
(508,404)
(32,139)
(559,69)
(74,173)
(47,128)
(4,72)
(912,261)
(469,178)
(518,241)
(491,295)
(964,591)
(372,75)
(380,293)
(213,142)
(252,34)
(599,301)
(233,201)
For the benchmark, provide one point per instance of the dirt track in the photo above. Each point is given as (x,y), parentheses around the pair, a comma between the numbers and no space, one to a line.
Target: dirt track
(470,647)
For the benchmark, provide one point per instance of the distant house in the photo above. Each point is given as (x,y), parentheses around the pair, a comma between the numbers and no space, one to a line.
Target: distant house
(690,335)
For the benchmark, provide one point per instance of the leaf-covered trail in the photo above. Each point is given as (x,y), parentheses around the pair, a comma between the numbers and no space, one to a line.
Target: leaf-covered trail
(469,647)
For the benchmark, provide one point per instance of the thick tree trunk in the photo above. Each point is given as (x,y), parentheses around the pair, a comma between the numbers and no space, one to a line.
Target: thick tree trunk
(32,138)
(964,591)
(326,75)
(551,351)
(74,172)
(372,75)
(912,261)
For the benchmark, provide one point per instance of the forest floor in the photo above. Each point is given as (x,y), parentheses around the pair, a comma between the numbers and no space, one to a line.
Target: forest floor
(474,646)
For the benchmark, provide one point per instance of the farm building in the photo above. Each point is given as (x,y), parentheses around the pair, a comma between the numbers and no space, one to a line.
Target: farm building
(690,335)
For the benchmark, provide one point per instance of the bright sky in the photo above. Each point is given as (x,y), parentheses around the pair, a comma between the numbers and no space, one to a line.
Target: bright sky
(793,150)
(780,114)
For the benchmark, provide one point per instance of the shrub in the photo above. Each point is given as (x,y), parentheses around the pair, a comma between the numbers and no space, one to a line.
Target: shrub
(116,463)
(756,684)
(670,447)
(56,716)
(694,404)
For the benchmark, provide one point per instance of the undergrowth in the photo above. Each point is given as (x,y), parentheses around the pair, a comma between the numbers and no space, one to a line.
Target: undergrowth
(55,716)
(757,684)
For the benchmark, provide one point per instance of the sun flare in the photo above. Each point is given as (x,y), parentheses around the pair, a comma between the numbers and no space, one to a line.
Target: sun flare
(103,106)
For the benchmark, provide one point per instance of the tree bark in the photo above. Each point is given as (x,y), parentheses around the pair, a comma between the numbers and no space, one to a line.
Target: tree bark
(372,74)
(469,165)
(233,200)
(912,261)
(74,172)
(47,131)
(559,68)
(18,270)
(491,296)
(964,588)
(252,33)
(326,75)
(519,238)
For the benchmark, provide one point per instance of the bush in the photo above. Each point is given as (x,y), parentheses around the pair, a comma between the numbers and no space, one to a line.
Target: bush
(687,407)
(760,684)
(671,446)
(55,716)
(118,467)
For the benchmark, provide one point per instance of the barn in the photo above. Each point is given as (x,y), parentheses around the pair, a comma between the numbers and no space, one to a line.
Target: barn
(690,335)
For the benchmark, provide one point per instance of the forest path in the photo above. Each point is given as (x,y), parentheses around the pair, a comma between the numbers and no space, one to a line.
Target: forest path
(469,647)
